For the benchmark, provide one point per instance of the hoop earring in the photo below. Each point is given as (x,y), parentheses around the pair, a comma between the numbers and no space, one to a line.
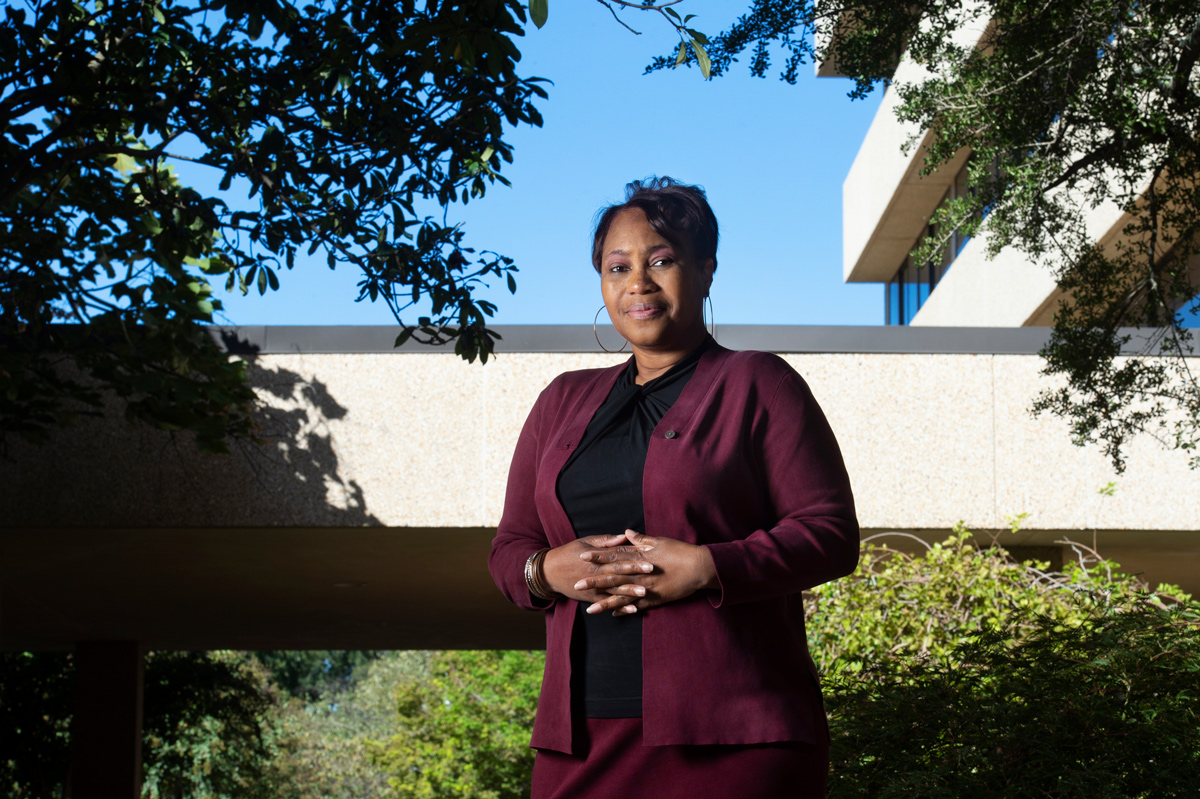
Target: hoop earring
(596,333)
(712,317)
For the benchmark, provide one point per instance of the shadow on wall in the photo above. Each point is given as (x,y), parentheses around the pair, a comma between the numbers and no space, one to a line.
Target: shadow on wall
(107,472)
(297,460)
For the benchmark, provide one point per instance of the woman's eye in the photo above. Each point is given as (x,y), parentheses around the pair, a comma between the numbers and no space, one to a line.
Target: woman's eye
(662,262)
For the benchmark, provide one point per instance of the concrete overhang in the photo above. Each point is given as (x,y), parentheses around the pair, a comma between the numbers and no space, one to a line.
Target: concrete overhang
(365,517)
(826,42)
(257,588)
(886,201)
(345,588)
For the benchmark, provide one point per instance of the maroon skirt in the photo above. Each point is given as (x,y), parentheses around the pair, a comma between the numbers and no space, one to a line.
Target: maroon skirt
(611,761)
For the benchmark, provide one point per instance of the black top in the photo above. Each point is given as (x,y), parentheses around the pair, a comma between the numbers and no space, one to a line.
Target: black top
(600,488)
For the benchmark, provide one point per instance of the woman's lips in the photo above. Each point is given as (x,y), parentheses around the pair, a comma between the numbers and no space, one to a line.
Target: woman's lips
(643,310)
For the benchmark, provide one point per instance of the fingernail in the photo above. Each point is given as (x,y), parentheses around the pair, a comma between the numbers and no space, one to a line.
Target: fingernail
(593,608)
(647,567)
(630,608)
(582,584)
(638,591)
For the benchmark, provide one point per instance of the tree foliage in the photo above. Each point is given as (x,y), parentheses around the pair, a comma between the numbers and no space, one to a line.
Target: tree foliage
(464,728)
(210,727)
(901,606)
(36,705)
(150,148)
(1065,107)
(307,674)
(1108,708)
(331,732)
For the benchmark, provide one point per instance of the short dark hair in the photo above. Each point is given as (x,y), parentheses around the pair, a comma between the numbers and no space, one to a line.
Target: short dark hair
(678,212)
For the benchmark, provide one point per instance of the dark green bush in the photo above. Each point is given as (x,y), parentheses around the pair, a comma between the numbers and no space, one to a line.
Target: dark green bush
(1105,709)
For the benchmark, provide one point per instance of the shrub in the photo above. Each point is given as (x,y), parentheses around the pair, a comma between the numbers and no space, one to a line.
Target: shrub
(900,606)
(1108,707)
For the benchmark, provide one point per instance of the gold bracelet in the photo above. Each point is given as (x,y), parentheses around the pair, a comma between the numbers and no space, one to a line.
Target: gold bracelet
(534,577)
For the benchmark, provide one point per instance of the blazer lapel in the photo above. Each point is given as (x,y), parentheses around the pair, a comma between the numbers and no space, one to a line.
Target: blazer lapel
(693,394)
(558,526)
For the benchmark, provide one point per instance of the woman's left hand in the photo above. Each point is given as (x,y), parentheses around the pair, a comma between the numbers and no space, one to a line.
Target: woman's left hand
(680,570)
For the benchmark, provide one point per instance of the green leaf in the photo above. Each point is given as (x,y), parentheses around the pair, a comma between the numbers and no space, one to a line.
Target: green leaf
(681,56)
(702,59)
(539,10)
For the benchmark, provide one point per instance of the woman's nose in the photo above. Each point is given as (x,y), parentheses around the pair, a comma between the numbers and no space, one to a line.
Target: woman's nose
(642,282)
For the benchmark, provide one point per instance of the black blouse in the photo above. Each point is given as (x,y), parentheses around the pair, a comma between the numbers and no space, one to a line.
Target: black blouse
(600,489)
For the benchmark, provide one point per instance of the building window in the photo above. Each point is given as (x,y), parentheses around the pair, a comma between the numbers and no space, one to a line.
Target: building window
(1189,313)
(958,188)
(910,288)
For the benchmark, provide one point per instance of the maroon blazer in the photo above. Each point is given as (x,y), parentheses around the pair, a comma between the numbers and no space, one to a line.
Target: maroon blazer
(743,463)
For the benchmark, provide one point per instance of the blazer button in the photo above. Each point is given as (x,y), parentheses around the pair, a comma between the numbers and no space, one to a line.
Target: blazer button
(670,434)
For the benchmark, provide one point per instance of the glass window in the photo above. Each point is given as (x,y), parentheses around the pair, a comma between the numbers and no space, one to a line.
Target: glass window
(909,290)
(911,287)
(1189,314)
(894,311)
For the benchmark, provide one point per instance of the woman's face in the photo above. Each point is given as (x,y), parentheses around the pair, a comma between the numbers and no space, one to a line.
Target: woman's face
(652,291)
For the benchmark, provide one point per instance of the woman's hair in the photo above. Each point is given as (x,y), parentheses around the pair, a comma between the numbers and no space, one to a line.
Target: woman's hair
(678,212)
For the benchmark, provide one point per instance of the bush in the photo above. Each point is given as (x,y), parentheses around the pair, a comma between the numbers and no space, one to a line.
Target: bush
(1106,708)
(901,606)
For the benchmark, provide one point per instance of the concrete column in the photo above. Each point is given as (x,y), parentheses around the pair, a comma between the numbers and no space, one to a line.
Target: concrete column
(106,734)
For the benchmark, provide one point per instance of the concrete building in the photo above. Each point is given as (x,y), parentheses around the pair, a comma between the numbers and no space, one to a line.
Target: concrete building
(887,205)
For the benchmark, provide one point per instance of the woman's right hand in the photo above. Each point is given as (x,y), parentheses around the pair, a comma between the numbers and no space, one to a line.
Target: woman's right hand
(562,568)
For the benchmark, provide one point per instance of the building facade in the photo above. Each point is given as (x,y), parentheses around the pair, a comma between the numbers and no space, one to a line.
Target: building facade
(380,480)
(887,206)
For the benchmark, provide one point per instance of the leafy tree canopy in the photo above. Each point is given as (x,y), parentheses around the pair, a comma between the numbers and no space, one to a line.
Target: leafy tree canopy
(464,727)
(150,148)
(210,727)
(308,673)
(1064,107)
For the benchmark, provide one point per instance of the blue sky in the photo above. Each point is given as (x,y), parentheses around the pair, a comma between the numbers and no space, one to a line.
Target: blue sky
(771,156)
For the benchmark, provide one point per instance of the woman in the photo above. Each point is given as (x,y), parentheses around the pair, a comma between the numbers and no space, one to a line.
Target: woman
(666,514)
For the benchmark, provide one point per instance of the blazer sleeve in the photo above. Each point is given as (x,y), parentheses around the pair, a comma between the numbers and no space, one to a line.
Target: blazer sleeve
(816,538)
(520,532)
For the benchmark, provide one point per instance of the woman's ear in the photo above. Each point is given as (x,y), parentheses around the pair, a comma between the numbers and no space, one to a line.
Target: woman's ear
(707,269)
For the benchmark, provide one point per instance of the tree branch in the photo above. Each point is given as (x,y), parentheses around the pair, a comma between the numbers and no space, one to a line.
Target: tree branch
(1188,54)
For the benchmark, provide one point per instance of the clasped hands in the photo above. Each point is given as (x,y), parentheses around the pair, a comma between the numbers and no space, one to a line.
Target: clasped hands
(627,573)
